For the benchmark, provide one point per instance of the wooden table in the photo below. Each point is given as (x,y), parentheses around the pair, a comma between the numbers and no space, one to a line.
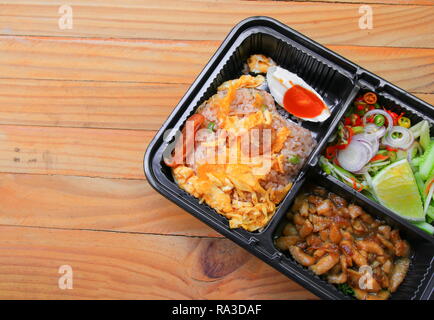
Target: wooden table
(79,106)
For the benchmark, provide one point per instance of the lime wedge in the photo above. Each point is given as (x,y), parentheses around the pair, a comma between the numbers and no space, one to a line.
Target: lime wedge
(396,189)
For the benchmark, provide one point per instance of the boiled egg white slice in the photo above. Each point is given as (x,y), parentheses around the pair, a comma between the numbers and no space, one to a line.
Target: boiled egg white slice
(281,80)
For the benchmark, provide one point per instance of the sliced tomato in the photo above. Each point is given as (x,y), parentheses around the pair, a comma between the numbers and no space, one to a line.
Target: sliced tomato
(331,152)
(188,142)
(370,97)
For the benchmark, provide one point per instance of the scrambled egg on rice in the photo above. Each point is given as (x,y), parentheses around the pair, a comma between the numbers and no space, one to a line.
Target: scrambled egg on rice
(234,189)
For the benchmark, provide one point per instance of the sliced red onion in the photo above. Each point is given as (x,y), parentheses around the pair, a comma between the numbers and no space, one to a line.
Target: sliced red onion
(371,142)
(404,142)
(374,131)
(354,157)
(375,148)
(363,138)
(382,112)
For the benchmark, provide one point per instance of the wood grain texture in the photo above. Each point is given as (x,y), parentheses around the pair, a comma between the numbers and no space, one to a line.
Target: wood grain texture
(400,2)
(97,104)
(87,104)
(177,61)
(428,97)
(102,59)
(129,266)
(92,203)
(72,151)
(394,25)
(78,108)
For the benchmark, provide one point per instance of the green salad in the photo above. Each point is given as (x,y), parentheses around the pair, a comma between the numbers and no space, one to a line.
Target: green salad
(386,157)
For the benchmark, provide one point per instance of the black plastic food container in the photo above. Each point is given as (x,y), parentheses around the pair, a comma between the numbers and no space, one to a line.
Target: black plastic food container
(338,81)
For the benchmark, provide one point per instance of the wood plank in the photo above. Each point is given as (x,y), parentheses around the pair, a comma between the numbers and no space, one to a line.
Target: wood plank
(177,61)
(394,25)
(90,104)
(130,266)
(410,69)
(428,97)
(73,151)
(103,59)
(94,104)
(92,203)
(400,2)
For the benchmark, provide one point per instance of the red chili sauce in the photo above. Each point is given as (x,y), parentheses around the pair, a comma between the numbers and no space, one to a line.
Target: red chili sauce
(302,103)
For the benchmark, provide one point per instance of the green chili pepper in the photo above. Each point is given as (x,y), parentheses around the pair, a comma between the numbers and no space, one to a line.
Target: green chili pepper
(379,120)
(396,135)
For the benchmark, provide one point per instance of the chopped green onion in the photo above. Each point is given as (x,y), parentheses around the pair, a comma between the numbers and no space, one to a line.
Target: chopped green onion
(294,160)
(340,173)
(325,165)
(378,164)
(358,129)
(211,125)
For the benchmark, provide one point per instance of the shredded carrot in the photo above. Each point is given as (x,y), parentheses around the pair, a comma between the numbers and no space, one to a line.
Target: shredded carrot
(429,186)
(355,185)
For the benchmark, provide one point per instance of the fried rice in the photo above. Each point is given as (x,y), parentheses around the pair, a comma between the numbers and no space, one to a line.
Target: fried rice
(244,193)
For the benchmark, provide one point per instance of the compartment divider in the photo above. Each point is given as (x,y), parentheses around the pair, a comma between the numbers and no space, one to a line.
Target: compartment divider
(313,159)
